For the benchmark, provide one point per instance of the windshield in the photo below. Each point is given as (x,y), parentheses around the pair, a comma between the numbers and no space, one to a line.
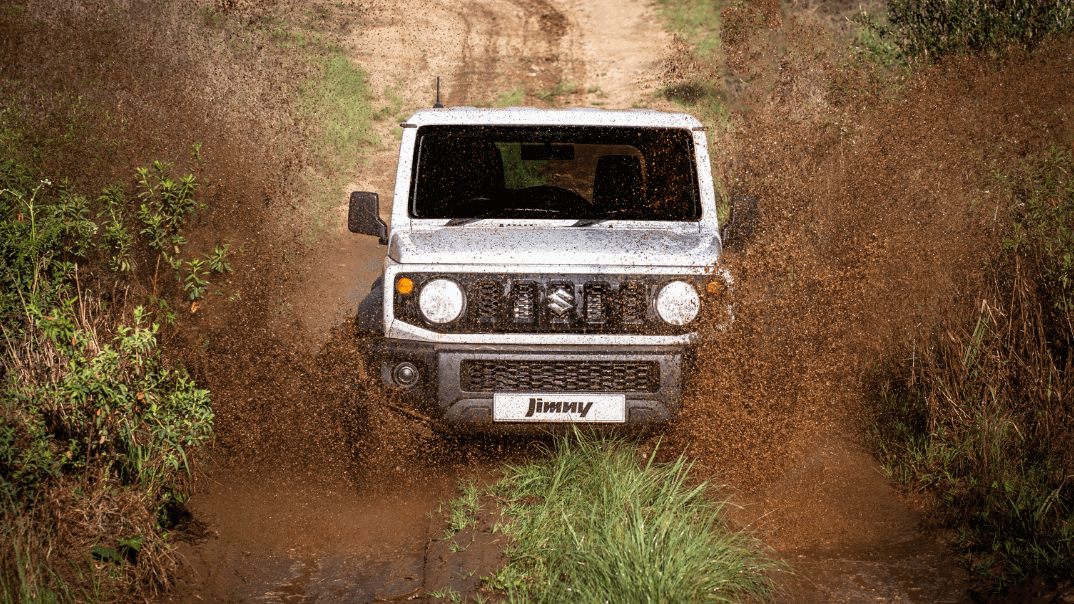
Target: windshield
(554,172)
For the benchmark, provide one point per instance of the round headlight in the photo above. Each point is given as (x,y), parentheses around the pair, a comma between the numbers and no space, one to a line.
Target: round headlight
(441,301)
(678,303)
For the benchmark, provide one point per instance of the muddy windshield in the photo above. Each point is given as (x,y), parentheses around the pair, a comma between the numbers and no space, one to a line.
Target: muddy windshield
(556,172)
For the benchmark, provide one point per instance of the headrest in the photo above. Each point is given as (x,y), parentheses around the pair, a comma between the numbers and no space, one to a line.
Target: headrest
(618,183)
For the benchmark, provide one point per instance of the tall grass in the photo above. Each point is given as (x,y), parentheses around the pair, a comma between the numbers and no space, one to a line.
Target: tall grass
(593,523)
(980,415)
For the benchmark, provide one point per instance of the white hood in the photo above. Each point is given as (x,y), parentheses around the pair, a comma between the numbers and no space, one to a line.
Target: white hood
(581,246)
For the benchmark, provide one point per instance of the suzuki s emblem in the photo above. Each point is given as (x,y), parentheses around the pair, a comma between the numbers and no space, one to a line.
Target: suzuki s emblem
(560,300)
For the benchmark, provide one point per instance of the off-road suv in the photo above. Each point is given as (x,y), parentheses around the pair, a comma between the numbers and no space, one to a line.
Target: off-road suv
(545,265)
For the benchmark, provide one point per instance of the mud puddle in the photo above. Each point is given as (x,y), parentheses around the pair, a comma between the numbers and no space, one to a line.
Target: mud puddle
(849,536)
(276,543)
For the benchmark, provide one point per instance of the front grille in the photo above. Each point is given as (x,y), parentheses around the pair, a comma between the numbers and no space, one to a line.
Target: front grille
(632,303)
(547,303)
(487,301)
(596,303)
(523,303)
(560,376)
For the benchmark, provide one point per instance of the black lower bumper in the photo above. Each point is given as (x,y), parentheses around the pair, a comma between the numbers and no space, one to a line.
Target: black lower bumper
(446,391)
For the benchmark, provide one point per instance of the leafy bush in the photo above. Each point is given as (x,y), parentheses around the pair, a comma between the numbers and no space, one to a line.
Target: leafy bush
(930,29)
(108,405)
(90,416)
(43,230)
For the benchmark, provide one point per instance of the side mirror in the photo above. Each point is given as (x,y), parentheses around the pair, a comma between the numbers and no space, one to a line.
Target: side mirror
(744,215)
(364,216)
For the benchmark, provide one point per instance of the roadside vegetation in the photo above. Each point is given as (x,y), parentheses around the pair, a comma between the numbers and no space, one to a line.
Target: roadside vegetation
(978,412)
(591,521)
(102,426)
(98,433)
(929,30)
(973,412)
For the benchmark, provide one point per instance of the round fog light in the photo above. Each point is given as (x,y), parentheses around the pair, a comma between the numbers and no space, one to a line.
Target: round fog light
(405,374)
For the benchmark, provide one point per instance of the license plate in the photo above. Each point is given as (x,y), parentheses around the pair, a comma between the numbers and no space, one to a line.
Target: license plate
(559,407)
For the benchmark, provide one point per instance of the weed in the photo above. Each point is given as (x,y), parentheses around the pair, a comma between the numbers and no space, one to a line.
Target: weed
(446,593)
(463,511)
(218,259)
(195,283)
(165,203)
(510,98)
(195,154)
(591,524)
(116,238)
(562,88)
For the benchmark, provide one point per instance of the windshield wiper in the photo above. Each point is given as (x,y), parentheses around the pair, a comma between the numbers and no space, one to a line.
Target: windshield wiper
(462,221)
(497,214)
(597,218)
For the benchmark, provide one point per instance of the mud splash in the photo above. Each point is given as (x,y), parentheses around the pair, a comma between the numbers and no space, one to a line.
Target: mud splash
(875,220)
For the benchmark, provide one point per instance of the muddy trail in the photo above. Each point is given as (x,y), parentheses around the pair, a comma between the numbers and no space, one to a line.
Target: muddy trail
(876,217)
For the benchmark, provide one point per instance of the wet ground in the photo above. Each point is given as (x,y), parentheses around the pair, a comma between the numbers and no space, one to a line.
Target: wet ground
(319,491)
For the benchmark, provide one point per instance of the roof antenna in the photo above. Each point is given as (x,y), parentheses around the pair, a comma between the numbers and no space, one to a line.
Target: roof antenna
(437,105)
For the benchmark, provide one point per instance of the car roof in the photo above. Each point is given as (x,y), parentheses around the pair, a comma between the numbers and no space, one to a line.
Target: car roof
(531,116)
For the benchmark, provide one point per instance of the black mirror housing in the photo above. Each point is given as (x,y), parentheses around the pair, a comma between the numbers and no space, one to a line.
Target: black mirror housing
(364,216)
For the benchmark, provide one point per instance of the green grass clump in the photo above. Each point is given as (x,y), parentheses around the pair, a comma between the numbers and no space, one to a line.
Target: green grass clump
(930,29)
(337,96)
(591,523)
(510,98)
(698,21)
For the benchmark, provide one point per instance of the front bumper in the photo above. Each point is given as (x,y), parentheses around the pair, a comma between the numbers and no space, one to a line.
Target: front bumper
(446,391)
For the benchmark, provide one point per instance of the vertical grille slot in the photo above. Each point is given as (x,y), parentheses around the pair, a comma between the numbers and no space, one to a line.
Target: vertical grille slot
(596,303)
(523,302)
(632,303)
(487,301)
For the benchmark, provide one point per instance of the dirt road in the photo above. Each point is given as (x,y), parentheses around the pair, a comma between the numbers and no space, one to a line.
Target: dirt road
(295,519)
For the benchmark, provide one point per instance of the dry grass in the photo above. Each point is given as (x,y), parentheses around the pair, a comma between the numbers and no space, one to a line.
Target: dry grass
(979,413)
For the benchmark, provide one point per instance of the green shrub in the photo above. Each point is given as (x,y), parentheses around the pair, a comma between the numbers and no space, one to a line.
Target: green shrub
(44,229)
(85,398)
(110,405)
(930,29)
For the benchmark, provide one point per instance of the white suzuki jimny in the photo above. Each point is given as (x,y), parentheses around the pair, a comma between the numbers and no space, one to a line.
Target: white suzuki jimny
(545,265)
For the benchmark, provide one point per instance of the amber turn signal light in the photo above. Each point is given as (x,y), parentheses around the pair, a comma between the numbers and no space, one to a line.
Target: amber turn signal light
(404,286)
